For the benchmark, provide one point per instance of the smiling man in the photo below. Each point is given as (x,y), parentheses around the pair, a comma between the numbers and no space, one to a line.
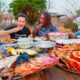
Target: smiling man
(21,21)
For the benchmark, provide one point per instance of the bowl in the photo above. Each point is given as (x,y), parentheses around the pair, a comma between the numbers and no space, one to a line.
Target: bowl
(68,41)
(43,46)
(57,35)
(25,42)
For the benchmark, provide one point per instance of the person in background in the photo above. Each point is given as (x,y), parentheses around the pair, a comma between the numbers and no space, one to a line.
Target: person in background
(77,33)
(21,21)
(43,26)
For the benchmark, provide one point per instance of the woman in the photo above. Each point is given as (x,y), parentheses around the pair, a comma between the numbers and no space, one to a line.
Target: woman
(44,26)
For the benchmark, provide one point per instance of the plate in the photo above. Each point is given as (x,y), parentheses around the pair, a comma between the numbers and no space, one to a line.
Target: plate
(7,61)
(8,40)
(78,37)
(44,44)
(68,41)
(40,39)
(7,45)
(67,69)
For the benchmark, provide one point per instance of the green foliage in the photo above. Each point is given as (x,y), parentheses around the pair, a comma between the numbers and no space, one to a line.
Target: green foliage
(70,25)
(28,7)
(1,4)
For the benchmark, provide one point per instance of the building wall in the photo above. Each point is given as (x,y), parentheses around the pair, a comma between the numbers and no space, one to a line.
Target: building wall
(55,20)
(59,24)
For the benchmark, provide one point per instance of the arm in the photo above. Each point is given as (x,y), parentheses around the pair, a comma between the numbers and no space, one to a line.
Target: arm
(7,32)
(37,27)
(54,28)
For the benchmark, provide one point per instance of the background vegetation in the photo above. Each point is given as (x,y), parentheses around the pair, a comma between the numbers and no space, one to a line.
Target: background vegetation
(29,7)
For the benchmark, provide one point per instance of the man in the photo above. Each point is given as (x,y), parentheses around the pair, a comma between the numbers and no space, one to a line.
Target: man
(20,23)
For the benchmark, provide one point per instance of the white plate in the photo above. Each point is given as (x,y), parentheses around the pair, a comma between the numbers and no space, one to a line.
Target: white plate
(68,41)
(7,61)
(78,37)
(7,45)
(40,38)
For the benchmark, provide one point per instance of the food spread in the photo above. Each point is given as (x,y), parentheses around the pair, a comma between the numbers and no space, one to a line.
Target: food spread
(27,60)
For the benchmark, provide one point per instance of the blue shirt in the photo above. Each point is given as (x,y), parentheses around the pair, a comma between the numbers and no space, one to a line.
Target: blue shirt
(77,33)
(43,31)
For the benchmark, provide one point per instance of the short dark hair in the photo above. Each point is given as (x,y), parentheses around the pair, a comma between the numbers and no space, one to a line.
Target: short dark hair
(21,15)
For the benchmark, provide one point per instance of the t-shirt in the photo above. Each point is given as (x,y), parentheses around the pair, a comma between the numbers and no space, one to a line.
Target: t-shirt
(24,32)
(43,31)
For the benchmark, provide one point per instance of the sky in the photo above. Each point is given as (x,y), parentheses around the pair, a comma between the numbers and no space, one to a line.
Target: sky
(59,5)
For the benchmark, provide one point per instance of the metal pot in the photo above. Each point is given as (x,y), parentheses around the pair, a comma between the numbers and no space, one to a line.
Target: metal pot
(43,46)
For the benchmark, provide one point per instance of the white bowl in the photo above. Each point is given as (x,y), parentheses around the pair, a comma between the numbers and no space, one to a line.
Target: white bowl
(25,42)
(44,44)
(57,35)
(24,39)
(68,41)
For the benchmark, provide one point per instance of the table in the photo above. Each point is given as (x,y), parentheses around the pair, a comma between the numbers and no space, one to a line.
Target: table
(53,73)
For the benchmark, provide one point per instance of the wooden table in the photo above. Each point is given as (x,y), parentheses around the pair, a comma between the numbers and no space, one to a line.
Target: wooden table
(57,74)
(53,73)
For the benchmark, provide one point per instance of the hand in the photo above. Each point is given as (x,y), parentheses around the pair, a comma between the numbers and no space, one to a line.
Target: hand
(39,26)
(37,29)
(71,36)
(31,35)
(18,29)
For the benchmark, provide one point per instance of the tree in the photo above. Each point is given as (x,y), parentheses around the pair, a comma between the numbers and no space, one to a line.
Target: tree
(71,25)
(49,4)
(0,5)
(28,7)
(72,6)
(1,11)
